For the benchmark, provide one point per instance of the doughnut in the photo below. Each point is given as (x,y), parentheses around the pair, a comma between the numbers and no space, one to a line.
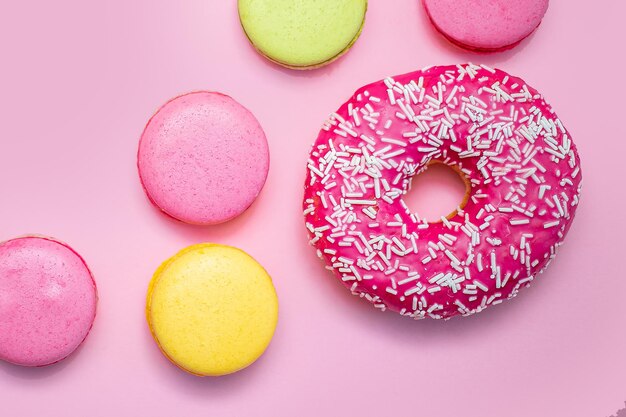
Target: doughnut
(486,25)
(47,301)
(203,158)
(517,159)
(302,34)
(212,309)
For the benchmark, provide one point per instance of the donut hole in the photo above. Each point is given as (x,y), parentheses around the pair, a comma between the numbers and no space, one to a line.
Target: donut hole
(438,191)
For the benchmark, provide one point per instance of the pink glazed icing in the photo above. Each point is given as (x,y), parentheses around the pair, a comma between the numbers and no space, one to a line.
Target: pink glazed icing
(519,162)
(47,301)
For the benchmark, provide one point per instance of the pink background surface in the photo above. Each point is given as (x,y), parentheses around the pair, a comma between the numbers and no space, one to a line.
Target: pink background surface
(80,79)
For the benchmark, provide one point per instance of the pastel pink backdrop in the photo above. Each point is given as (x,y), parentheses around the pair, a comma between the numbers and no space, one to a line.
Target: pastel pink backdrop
(80,79)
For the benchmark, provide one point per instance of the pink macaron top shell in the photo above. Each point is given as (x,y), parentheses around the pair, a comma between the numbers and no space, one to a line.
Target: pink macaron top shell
(203,158)
(47,301)
(488,25)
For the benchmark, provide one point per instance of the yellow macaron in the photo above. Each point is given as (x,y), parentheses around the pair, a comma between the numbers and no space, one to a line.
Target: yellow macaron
(212,309)
(302,34)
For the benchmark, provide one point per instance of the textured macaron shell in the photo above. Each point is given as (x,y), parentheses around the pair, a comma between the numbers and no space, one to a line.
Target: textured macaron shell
(302,33)
(488,25)
(47,301)
(212,309)
(203,158)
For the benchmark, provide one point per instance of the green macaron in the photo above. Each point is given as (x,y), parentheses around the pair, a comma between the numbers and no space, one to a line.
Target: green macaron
(302,34)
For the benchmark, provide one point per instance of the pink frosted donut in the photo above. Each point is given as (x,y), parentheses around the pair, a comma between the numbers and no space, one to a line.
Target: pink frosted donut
(47,301)
(520,165)
(203,158)
(486,25)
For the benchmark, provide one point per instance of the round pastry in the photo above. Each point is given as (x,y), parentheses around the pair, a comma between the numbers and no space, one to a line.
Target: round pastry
(47,301)
(212,309)
(523,182)
(486,25)
(203,158)
(302,34)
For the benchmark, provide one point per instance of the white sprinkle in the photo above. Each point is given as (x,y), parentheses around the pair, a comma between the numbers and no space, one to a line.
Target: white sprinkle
(551,224)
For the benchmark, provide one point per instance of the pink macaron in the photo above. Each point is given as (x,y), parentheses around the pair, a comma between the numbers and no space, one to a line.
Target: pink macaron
(48,301)
(203,158)
(486,25)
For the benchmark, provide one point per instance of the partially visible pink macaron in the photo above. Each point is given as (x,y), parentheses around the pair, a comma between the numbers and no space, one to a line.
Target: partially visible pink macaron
(203,158)
(47,301)
(486,25)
